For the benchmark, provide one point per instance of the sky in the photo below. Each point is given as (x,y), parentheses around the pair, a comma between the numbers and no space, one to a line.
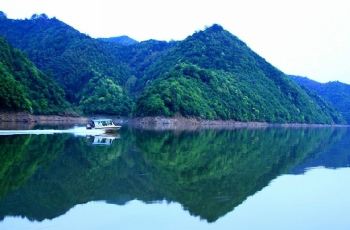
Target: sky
(300,37)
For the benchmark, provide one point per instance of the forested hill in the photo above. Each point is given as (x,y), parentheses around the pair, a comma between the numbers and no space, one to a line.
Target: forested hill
(336,93)
(25,88)
(87,69)
(210,75)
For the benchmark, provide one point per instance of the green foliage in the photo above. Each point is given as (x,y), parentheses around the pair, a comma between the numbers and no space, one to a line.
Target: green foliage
(24,88)
(12,94)
(104,96)
(216,76)
(213,94)
(336,93)
(141,56)
(70,57)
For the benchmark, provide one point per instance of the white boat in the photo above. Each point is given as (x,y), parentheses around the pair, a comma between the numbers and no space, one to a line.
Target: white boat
(105,124)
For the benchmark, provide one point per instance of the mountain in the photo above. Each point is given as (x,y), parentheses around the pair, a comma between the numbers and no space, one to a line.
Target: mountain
(140,56)
(214,75)
(25,88)
(336,93)
(73,59)
(121,40)
(210,75)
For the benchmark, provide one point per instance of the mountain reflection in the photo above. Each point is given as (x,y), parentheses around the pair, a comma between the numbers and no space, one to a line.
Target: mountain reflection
(209,172)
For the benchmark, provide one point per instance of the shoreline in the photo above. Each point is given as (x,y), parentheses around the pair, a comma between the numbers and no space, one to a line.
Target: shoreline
(15,120)
(31,118)
(8,119)
(182,123)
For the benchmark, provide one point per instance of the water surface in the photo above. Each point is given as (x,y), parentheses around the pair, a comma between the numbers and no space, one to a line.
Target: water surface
(274,178)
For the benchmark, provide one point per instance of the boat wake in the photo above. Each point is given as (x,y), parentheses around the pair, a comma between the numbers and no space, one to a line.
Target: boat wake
(77,131)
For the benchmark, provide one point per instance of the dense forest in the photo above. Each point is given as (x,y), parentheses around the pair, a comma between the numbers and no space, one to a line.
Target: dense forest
(73,59)
(209,75)
(336,93)
(25,88)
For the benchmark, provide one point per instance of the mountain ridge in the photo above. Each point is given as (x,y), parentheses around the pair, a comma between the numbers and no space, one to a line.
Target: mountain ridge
(244,72)
(227,79)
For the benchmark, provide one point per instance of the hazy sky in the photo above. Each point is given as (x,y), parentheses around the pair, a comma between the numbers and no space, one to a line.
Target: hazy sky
(302,37)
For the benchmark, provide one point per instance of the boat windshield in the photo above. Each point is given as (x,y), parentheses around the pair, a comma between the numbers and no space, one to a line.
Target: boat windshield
(105,122)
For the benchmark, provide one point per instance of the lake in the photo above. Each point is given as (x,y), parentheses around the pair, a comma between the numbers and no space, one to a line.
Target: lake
(267,178)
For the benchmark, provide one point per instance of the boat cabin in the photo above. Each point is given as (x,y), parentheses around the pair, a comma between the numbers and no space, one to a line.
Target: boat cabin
(102,124)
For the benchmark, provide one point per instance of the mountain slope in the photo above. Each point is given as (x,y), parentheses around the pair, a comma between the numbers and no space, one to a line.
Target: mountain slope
(336,93)
(142,55)
(24,88)
(72,58)
(214,75)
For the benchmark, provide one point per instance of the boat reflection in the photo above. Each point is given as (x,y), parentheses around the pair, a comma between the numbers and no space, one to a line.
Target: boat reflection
(106,139)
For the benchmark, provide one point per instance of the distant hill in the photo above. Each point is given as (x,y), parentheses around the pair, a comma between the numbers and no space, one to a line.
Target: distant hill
(337,93)
(121,40)
(25,88)
(209,75)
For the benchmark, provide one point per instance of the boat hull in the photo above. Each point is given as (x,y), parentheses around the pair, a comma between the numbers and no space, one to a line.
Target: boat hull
(109,129)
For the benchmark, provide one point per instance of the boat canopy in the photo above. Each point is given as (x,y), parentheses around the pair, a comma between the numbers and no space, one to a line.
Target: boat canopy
(103,122)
